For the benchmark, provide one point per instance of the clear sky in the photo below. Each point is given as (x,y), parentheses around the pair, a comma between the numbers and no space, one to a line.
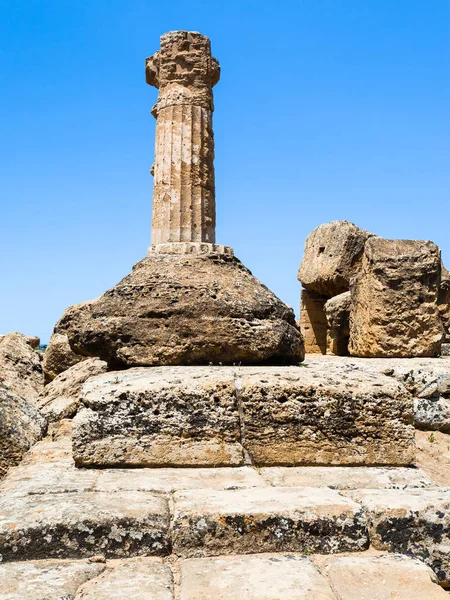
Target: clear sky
(326,109)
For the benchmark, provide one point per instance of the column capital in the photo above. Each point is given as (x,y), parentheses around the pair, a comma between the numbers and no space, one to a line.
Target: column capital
(183,70)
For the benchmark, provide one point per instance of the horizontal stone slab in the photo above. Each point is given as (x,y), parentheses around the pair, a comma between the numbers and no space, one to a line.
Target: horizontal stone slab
(77,525)
(347,478)
(208,522)
(221,416)
(254,577)
(133,579)
(167,480)
(415,522)
(387,576)
(45,579)
(159,417)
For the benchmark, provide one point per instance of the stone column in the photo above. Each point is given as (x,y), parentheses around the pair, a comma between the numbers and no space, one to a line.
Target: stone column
(183,195)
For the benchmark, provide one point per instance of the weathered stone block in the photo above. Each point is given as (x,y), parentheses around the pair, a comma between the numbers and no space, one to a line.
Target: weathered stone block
(332,256)
(45,579)
(185,310)
(313,322)
(415,522)
(347,478)
(60,398)
(59,356)
(21,425)
(253,577)
(337,312)
(133,579)
(394,309)
(82,525)
(379,577)
(159,417)
(319,417)
(208,522)
(213,416)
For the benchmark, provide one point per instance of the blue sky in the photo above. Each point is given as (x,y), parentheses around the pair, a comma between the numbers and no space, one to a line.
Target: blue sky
(326,109)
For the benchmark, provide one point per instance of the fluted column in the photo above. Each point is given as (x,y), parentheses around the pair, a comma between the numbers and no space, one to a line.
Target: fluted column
(183,194)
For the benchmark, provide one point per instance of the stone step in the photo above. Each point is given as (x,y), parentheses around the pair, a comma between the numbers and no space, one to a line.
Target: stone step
(225,416)
(209,522)
(251,577)
(83,524)
(414,522)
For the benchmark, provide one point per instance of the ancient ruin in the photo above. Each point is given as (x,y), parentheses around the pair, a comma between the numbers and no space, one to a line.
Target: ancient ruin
(190,301)
(184,71)
(174,443)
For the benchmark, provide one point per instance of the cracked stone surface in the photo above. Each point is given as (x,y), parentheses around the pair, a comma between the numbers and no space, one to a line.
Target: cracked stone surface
(215,416)
(209,522)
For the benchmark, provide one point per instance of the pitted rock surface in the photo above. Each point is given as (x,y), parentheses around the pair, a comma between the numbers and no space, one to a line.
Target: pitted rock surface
(394,309)
(210,416)
(208,522)
(331,257)
(185,309)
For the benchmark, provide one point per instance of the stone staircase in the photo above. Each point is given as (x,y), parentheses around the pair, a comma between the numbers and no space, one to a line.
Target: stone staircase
(214,533)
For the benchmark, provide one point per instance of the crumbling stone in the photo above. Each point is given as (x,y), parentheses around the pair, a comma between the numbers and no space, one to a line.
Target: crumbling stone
(59,356)
(394,309)
(331,257)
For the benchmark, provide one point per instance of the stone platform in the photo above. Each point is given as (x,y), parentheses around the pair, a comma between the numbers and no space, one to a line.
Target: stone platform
(276,533)
(231,416)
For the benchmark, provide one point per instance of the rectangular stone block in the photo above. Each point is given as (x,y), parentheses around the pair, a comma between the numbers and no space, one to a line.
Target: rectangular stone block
(162,416)
(78,525)
(321,416)
(415,522)
(253,577)
(221,416)
(377,577)
(394,309)
(208,522)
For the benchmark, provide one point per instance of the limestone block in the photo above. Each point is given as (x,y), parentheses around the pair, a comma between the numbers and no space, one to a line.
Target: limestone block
(415,522)
(317,416)
(171,480)
(45,579)
(347,478)
(208,522)
(185,309)
(337,312)
(60,398)
(163,416)
(381,577)
(21,425)
(432,414)
(48,478)
(82,525)
(133,579)
(253,577)
(394,300)
(331,257)
(313,322)
(59,356)
(213,416)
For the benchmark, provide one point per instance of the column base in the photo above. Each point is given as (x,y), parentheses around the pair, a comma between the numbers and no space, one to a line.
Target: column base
(190,248)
